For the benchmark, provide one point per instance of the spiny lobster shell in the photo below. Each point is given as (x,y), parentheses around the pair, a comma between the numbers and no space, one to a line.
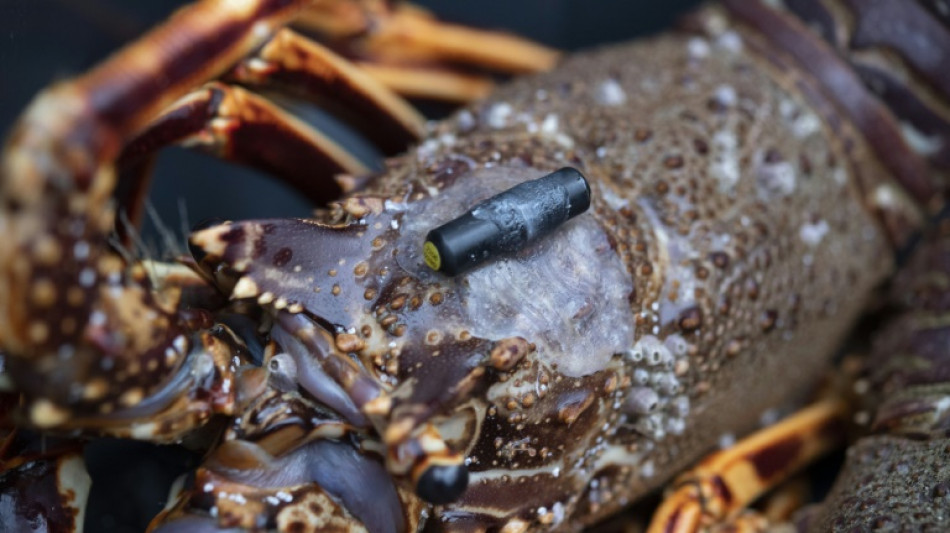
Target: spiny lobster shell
(730,205)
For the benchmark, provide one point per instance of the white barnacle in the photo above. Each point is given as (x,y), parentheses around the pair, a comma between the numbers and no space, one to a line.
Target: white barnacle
(428,148)
(498,114)
(805,125)
(550,125)
(729,41)
(641,376)
(610,93)
(466,120)
(697,48)
(641,400)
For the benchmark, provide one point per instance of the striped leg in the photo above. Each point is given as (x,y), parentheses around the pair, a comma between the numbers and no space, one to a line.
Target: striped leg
(725,482)
(416,55)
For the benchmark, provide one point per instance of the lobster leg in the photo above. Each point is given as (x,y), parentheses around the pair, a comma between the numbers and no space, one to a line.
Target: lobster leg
(85,334)
(409,51)
(423,82)
(411,34)
(237,125)
(294,63)
(282,456)
(725,482)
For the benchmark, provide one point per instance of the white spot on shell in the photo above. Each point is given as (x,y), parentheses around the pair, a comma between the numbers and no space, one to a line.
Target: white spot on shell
(725,95)
(550,125)
(885,196)
(840,176)
(726,441)
(725,166)
(776,179)
(558,510)
(609,92)
(97,318)
(87,277)
(812,234)
(729,41)
(805,125)
(769,417)
(466,120)
(697,48)
(647,470)
(428,148)
(498,115)
(261,30)
(81,250)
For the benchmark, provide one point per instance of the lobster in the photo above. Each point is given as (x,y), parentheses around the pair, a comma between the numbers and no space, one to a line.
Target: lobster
(741,173)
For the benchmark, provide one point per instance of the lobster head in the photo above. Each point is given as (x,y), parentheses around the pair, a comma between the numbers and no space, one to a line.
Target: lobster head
(433,371)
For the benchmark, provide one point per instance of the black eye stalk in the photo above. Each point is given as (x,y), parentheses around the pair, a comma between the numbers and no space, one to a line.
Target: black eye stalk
(507,222)
(442,484)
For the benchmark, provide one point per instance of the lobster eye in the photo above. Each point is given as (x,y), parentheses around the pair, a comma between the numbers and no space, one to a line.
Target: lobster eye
(441,484)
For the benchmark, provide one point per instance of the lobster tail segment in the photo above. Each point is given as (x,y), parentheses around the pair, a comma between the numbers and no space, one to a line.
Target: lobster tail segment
(884,65)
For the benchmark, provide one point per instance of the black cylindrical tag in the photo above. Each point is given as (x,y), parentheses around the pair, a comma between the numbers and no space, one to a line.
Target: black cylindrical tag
(507,222)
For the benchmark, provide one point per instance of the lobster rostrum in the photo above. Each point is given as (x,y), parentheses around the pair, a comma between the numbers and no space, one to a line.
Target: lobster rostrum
(743,171)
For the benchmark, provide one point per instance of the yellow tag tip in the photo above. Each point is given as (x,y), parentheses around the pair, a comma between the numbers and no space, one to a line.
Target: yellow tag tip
(431,255)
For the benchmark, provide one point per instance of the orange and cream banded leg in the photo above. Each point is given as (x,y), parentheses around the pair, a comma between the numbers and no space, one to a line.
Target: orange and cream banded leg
(416,55)
(722,485)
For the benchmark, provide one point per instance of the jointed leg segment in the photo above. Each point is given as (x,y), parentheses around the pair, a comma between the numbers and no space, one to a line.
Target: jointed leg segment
(727,481)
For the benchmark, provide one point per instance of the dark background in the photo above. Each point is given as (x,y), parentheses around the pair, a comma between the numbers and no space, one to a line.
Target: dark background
(42,41)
